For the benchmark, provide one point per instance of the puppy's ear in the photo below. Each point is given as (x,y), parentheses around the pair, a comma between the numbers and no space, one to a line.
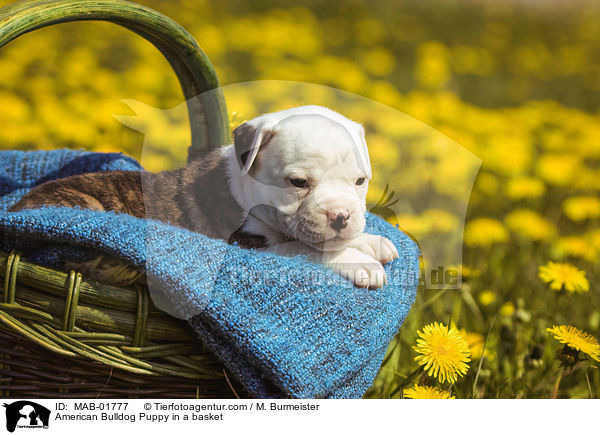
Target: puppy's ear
(247,140)
(363,152)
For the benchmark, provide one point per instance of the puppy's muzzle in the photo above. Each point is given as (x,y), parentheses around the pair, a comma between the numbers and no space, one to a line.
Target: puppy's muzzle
(338,219)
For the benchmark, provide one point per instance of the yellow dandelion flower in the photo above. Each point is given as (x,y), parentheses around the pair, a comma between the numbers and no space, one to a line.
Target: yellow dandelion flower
(441,220)
(432,69)
(507,154)
(525,187)
(576,339)
(464,271)
(386,93)
(471,60)
(422,392)
(565,275)
(580,208)
(484,232)
(558,169)
(467,272)
(507,310)
(382,152)
(476,343)
(530,225)
(412,224)
(444,352)
(487,297)
(13,108)
(378,61)
(487,183)
(575,246)
(235,120)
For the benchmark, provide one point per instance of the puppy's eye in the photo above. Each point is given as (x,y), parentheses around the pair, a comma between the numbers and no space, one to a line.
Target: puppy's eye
(360,181)
(299,182)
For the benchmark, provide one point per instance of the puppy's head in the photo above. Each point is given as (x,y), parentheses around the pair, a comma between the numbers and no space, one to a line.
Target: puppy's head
(304,172)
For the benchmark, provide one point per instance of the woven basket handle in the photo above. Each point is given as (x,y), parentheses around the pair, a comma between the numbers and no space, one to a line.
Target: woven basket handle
(207,113)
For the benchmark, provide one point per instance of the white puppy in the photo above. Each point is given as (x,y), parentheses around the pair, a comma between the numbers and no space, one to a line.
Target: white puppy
(302,176)
(297,186)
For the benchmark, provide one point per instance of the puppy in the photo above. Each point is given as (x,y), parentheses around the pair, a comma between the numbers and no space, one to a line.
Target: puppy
(293,182)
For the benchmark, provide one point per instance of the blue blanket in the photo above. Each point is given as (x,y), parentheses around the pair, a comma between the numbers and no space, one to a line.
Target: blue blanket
(283,326)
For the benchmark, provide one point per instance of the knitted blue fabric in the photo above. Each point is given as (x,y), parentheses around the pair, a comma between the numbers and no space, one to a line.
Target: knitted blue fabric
(22,170)
(284,327)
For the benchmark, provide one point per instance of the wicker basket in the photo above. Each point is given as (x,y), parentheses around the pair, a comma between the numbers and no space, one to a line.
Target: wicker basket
(64,336)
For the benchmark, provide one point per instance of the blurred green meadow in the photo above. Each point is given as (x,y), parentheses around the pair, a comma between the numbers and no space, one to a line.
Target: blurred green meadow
(517,84)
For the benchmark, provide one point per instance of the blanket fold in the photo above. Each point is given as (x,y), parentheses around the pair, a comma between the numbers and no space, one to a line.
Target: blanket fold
(283,326)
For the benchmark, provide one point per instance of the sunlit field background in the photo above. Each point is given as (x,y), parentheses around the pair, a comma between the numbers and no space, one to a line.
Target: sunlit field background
(515,83)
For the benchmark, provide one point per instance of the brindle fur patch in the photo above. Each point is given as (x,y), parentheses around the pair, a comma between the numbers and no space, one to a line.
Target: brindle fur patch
(196,197)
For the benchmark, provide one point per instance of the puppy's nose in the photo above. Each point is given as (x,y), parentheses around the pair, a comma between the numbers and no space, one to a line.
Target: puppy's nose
(338,219)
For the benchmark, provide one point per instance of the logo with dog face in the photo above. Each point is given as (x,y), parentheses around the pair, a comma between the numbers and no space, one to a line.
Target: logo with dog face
(26,414)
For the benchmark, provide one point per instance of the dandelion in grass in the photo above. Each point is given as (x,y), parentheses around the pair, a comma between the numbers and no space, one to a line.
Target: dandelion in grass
(525,187)
(235,120)
(558,168)
(576,339)
(565,275)
(575,246)
(464,271)
(444,352)
(487,297)
(484,232)
(441,220)
(487,184)
(530,225)
(507,309)
(422,392)
(477,345)
(580,208)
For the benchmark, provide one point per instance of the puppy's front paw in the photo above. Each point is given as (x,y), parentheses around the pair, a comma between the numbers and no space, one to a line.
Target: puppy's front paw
(378,247)
(360,268)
